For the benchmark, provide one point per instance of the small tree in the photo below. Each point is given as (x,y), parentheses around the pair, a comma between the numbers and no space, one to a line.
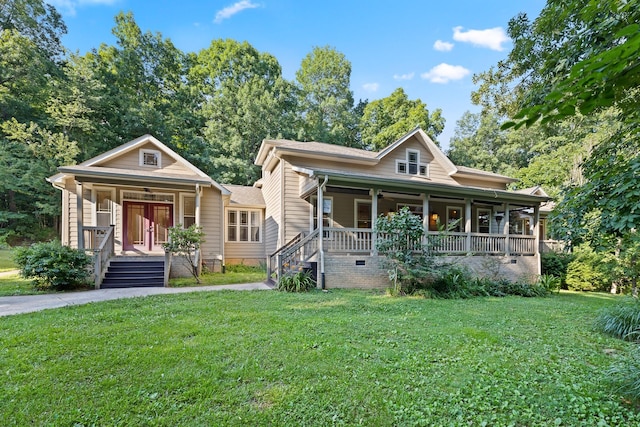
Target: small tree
(399,241)
(186,242)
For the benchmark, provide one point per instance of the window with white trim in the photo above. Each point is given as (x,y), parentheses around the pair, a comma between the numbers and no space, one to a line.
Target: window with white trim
(455,219)
(483,220)
(244,225)
(104,211)
(188,211)
(411,164)
(151,158)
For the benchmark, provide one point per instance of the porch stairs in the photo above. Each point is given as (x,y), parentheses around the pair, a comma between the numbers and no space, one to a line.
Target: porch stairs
(297,254)
(133,272)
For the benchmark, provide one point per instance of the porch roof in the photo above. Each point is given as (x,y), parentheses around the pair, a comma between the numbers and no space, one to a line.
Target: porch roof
(103,174)
(421,185)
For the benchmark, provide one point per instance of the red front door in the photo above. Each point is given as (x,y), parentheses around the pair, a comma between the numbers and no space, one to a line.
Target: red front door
(146,225)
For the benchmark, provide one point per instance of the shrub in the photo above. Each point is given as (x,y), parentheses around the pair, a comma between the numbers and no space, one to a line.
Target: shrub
(586,272)
(555,264)
(550,282)
(300,281)
(53,266)
(621,320)
(186,242)
(624,375)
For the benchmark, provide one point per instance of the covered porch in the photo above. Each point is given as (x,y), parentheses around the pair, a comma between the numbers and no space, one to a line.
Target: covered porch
(458,221)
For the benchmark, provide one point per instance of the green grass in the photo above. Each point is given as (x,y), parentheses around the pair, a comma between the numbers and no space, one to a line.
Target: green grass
(316,359)
(16,285)
(234,274)
(6,260)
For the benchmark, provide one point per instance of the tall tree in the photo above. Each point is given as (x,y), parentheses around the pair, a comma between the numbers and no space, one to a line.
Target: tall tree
(144,80)
(245,100)
(385,120)
(325,100)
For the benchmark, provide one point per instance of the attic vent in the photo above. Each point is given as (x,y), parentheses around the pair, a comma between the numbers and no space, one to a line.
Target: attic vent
(151,158)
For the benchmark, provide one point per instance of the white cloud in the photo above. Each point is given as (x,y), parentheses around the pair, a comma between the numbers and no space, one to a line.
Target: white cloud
(443,73)
(237,7)
(407,76)
(442,46)
(371,87)
(493,38)
(68,7)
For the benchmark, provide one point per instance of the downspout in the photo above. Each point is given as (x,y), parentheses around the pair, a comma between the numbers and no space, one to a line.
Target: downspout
(320,209)
(198,254)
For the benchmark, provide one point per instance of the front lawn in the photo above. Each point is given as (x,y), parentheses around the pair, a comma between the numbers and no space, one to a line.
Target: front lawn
(336,358)
(6,260)
(234,274)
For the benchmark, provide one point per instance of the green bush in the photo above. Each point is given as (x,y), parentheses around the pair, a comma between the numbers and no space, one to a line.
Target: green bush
(550,282)
(53,266)
(624,375)
(621,320)
(555,264)
(300,281)
(587,271)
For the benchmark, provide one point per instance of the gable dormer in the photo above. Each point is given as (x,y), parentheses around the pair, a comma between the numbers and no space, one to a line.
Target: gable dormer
(414,163)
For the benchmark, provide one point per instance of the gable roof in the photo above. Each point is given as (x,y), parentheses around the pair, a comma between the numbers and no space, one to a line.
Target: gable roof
(242,195)
(89,167)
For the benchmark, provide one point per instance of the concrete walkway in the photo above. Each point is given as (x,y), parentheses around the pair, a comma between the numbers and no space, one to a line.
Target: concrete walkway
(31,303)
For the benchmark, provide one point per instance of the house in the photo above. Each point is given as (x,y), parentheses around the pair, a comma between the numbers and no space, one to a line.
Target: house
(322,201)
(120,205)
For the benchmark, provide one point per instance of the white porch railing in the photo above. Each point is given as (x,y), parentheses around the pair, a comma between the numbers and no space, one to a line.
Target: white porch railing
(361,240)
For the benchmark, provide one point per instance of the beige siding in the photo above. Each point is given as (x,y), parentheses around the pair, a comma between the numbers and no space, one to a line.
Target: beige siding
(296,212)
(244,253)
(481,183)
(131,160)
(212,223)
(273,215)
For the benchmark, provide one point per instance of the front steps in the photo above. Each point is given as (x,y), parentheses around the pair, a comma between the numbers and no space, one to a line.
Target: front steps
(133,272)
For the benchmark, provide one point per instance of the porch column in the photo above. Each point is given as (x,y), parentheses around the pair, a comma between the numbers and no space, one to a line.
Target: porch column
(467,224)
(374,218)
(505,230)
(197,219)
(536,233)
(425,218)
(80,215)
(320,213)
(197,201)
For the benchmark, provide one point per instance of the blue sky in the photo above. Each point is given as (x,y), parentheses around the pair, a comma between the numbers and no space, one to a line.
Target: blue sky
(429,48)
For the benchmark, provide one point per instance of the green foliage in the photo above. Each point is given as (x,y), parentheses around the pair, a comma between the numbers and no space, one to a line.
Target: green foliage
(325,99)
(299,281)
(400,243)
(586,272)
(555,264)
(624,375)
(550,283)
(186,242)
(621,320)
(386,120)
(53,266)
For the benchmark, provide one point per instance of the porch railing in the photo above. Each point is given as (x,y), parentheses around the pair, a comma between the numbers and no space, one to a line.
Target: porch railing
(361,240)
(292,255)
(99,242)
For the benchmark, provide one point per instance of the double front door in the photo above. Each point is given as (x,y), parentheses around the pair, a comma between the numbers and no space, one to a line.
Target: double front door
(146,225)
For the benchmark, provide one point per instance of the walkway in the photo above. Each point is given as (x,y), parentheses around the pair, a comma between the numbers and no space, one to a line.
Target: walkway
(31,303)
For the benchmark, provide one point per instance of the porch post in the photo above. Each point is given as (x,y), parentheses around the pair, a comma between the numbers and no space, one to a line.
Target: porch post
(374,218)
(507,249)
(197,219)
(80,214)
(320,213)
(467,224)
(425,218)
(536,233)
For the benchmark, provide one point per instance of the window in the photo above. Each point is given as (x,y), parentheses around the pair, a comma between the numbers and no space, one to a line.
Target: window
(363,214)
(327,213)
(411,165)
(483,220)
(454,219)
(188,211)
(151,158)
(104,200)
(243,225)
